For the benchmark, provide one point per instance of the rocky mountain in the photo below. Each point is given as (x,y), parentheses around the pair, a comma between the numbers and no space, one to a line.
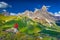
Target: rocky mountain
(40,14)
(44,14)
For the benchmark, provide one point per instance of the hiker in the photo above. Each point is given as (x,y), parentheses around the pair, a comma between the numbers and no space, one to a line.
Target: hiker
(15,27)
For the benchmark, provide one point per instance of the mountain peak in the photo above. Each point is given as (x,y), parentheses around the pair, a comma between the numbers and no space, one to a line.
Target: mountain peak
(44,8)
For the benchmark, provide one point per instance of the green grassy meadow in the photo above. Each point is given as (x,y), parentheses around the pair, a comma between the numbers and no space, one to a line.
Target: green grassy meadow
(28,29)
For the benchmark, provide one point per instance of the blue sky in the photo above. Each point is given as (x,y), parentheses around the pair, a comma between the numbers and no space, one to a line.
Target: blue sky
(22,5)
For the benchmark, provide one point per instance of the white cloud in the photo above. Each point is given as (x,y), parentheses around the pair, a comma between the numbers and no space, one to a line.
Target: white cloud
(48,6)
(36,10)
(4,5)
(13,14)
(57,13)
(4,10)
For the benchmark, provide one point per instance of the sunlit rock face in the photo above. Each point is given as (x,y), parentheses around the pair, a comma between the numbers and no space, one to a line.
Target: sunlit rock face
(40,14)
(43,14)
(44,8)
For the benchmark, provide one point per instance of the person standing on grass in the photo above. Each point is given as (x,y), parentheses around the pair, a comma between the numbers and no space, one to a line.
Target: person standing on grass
(16,27)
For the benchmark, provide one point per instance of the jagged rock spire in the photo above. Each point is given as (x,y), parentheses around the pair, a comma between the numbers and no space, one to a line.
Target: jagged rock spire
(44,8)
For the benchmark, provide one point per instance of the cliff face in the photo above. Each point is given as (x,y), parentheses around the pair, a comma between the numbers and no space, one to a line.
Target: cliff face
(41,15)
